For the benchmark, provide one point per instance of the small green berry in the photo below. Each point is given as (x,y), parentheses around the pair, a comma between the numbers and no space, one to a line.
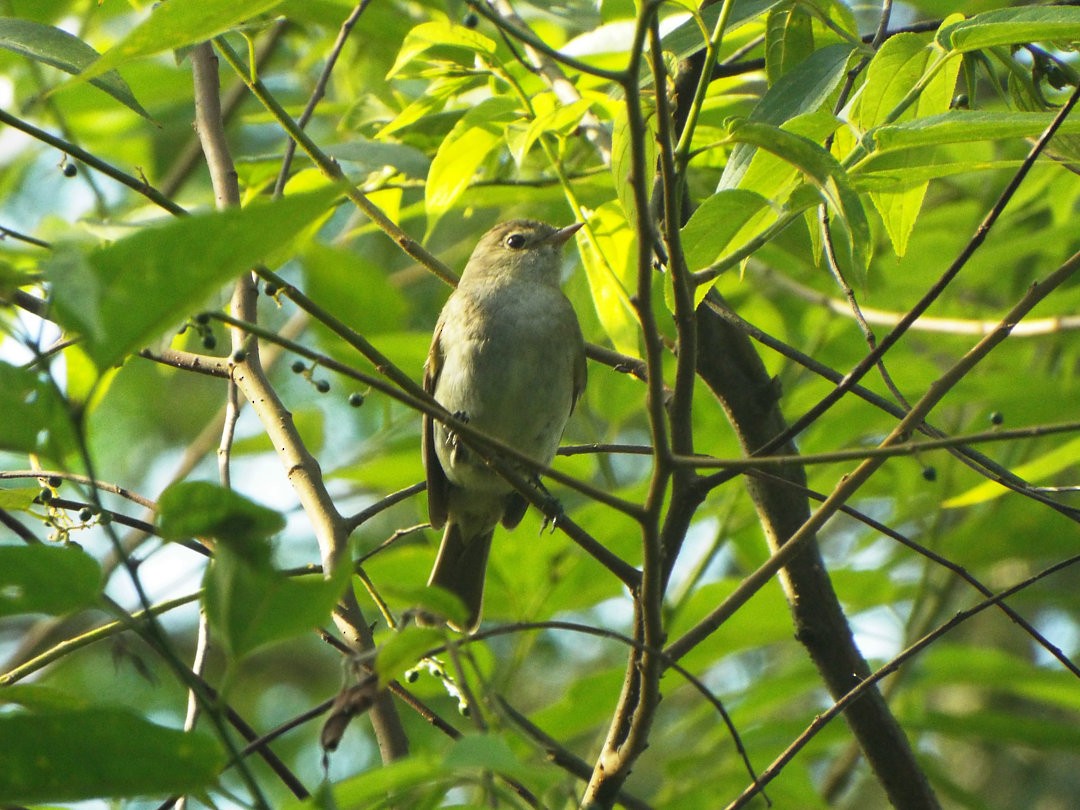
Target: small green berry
(356,399)
(322,386)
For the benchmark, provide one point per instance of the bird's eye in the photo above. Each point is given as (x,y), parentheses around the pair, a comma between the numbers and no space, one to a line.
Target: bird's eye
(515,241)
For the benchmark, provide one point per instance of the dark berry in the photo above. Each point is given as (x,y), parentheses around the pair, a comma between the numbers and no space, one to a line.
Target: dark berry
(470,21)
(929,473)
(997,418)
(271,288)
(45,495)
(55,481)
(356,399)
(322,386)
(70,170)
(209,342)
(239,356)
(85,514)
(298,367)
(203,318)
(412,676)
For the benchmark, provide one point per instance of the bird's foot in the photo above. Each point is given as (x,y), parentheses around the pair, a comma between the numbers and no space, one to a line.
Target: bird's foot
(553,511)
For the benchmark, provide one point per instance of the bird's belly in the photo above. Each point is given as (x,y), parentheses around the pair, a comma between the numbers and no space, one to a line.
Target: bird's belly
(518,391)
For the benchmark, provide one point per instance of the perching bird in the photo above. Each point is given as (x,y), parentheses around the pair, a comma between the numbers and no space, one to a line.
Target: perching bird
(507,357)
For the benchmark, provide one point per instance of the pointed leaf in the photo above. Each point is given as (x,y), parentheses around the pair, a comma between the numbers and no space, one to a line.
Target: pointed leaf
(123,296)
(175,24)
(609,260)
(56,47)
(899,65)
(712,229)
(460,154)
(1012,26)
(442,36)
(802,90)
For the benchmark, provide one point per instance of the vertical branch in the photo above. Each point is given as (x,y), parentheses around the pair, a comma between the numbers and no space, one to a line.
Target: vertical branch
(628,735)
(304,474)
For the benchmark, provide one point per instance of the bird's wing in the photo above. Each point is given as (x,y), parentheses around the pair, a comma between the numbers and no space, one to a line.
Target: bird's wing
(437,483)
(580,373)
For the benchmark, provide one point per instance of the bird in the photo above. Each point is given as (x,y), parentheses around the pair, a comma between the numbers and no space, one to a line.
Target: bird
(507,357)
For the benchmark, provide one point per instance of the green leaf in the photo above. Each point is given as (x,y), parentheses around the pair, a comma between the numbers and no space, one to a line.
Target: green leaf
(1036,470)
(823,171)
(121,297)
(789,40)
(99,753)
(354,287)
(310,423)
(485,752)
(59,49)
(19,499)
(371,788)
(460,154)
(963,126)
(404,649)
(712,229)
(899,65)
(552,117)
(47,579)
(800,91)
(622,164)
(374,156)
(250,605)
(442,36)
(202,509)
(35,415)
(175,24)
(1012,26)
(687,38)
(609,259)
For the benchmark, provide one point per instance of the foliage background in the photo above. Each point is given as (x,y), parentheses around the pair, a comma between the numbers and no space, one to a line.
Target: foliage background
(991,712)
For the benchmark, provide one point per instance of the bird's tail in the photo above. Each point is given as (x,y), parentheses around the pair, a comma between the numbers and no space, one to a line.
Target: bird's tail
(460,567)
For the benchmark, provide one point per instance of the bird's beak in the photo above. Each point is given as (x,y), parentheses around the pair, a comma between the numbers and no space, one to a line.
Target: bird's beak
(562,236)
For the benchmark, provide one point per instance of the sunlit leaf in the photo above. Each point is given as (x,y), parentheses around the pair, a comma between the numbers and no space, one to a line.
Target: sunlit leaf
(900,65)
(478,132)
(175,24)
(1009,26)
(59,49)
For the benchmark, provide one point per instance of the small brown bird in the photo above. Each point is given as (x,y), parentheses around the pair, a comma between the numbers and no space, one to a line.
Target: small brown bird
(508,357)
